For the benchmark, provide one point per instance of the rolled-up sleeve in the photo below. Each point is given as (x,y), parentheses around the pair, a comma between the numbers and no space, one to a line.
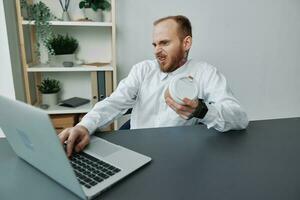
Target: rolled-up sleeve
(224,110)
(123,98)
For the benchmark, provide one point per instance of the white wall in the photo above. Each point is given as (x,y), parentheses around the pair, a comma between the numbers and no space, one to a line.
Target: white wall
(13,43)
(256,44)
(6,79)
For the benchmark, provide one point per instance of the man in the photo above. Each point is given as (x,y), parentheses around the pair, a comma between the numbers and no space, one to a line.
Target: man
(143,90)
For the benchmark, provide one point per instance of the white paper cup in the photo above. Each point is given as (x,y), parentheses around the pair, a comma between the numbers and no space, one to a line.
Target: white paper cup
(181,87)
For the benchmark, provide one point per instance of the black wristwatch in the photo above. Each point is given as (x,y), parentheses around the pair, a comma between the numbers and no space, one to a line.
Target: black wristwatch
(201,109)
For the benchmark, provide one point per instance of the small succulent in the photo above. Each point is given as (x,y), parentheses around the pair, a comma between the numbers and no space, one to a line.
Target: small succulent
(61,44)
(49,86)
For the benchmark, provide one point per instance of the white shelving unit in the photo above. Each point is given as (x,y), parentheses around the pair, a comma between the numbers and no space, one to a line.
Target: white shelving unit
(97,44)
(66,110)
(78,68)
(73,23)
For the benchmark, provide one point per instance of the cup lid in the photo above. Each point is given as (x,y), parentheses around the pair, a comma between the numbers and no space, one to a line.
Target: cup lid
(183,87)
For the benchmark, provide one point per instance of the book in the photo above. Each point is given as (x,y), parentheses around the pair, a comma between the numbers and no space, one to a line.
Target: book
(101,85)
(74,102)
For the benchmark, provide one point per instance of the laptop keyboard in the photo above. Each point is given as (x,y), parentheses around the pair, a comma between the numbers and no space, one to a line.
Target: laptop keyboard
(90,170)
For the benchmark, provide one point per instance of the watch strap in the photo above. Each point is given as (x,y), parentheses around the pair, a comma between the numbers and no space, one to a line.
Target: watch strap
(201,110)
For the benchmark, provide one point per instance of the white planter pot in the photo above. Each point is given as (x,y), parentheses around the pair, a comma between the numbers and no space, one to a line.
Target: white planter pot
(106,16)
(58,60)
(96,16)
(65,16)
(50,99)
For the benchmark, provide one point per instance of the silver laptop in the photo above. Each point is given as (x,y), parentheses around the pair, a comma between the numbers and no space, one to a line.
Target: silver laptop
(32,136)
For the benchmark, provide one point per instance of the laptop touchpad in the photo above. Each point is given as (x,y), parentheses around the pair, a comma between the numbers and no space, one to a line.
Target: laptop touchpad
(102,148)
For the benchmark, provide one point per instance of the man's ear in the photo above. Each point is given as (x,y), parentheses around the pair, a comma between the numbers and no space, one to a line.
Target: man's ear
(187,43)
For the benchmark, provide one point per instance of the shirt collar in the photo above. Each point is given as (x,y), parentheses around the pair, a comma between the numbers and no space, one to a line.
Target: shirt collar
(164,75)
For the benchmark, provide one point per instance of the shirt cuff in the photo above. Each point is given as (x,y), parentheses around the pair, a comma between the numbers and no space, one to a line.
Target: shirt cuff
(90,126)
(210,119)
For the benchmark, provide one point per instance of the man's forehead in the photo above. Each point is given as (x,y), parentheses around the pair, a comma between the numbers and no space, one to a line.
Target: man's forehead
(166,24)
(165,29)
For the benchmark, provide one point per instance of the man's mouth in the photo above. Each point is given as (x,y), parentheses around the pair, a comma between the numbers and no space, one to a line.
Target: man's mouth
(161,58)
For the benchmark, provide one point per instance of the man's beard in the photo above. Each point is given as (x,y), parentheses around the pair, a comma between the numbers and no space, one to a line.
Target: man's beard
(176,61)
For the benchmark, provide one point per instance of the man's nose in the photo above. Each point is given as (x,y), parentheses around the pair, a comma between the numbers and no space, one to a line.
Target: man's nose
(157,49)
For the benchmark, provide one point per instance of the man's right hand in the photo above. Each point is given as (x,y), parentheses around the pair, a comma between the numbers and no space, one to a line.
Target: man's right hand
(77,136)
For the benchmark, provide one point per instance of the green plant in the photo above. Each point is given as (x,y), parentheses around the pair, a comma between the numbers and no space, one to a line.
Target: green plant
(62,44)
(49,86)
(95,4)
(40,14)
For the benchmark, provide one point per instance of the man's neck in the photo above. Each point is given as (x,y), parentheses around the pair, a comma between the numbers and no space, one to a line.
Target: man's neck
(182,62)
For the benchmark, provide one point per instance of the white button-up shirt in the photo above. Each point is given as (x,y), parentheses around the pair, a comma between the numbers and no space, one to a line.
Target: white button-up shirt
(143,90)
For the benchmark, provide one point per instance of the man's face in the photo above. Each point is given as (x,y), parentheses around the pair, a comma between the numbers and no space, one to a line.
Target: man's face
(168,48)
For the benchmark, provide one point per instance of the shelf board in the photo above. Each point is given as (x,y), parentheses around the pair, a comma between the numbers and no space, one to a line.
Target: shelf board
(72,23)
(66,110)
(79,68)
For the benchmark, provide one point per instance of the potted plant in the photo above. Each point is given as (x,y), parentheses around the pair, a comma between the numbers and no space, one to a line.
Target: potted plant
(63,48)
(93,9)
(40,14)
(49,89)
